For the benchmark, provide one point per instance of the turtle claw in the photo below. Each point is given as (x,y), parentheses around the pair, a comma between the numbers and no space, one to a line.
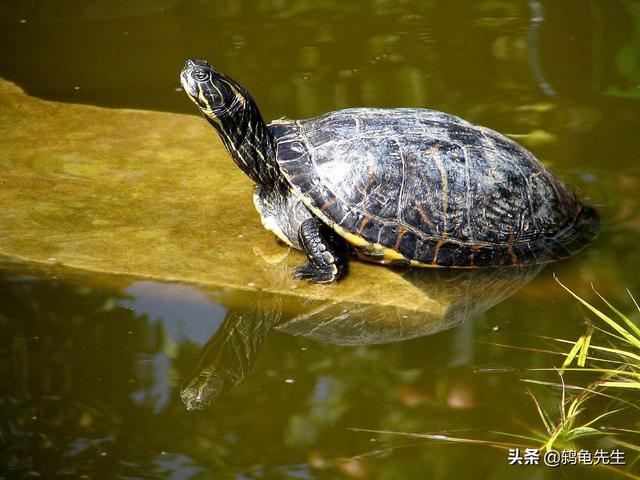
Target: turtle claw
(313,274)
(326,259)
(301,272)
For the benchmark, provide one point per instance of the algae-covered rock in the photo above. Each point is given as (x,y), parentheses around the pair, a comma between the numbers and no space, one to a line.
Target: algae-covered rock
(148,194)
(155,195)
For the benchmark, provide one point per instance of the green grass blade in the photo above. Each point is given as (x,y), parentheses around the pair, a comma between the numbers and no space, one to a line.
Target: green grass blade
(584,431)
(552,439)
(543,415)
(625,430)
(551,384)
(634,300)
(628,446)
(608,320)
(531,439)
(440,438)
(622,384)
(582,358)
(622,316)
(617,351)
(610,334)
(573,352)
(609,371)
(600,417)
(538,350)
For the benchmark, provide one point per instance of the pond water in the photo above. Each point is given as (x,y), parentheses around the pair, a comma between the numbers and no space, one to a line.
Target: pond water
(93,365)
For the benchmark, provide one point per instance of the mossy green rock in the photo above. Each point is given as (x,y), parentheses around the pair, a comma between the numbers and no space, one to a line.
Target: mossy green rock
(153,195)
(142,193)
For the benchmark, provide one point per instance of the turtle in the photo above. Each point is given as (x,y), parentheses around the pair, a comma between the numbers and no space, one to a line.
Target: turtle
(406,187)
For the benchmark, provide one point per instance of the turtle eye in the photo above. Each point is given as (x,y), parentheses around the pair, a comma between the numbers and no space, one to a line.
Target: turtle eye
(201,75)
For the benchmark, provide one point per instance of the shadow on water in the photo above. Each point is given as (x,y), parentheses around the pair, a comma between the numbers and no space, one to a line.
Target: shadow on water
(455,296)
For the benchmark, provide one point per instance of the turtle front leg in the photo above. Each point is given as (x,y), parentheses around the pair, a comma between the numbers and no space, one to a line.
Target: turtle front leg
(326,253)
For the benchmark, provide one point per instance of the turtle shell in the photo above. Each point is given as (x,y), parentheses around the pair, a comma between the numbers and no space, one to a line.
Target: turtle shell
(427,188)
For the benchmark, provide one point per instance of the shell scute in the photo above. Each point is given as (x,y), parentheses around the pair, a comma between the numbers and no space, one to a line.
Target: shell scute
(431,188)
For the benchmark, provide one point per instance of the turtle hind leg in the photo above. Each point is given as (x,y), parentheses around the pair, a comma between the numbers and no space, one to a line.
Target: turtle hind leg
(326,253)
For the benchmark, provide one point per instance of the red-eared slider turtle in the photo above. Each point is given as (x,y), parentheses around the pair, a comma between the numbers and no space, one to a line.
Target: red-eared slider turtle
(404,186)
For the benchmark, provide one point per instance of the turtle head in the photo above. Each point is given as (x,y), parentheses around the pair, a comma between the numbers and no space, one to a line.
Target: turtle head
(231,110)
(216,95)
(202,389)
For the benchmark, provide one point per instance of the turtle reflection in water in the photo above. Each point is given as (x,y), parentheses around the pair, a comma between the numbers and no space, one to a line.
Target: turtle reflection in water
(405,186)
(452,296)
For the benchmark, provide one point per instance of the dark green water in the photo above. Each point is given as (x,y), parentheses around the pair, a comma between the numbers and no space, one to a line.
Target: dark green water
(92,367)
